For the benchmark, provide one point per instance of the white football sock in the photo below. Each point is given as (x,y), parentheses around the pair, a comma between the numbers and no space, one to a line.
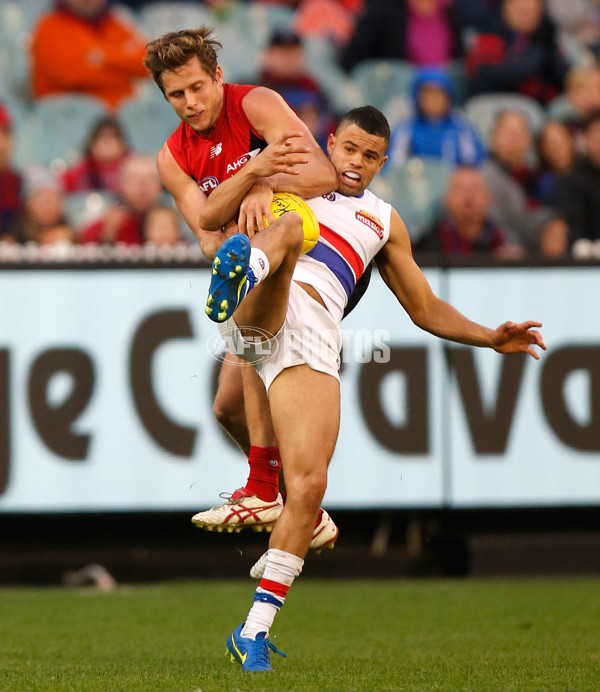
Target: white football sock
(259,265)
(281,570)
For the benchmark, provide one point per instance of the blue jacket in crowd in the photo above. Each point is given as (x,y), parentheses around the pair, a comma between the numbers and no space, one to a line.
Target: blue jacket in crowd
(452,139)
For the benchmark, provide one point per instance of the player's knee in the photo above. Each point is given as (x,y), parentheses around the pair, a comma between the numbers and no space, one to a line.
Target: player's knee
(293,231)
(227,412)
(309,489)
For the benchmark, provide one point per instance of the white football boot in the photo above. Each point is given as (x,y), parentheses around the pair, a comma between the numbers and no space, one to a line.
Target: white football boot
(240,511)
(324,536)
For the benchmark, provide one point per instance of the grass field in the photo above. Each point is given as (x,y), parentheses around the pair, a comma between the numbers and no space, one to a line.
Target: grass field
(521,635)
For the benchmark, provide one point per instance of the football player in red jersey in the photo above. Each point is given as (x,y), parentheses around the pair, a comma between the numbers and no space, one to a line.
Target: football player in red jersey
(229,130)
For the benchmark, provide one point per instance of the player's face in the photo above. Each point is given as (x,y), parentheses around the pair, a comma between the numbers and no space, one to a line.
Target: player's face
(195,96)
(357,156)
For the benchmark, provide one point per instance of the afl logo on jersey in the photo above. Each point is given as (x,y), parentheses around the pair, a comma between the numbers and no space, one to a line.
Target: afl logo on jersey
(207,185)
(371,221)
(330,197)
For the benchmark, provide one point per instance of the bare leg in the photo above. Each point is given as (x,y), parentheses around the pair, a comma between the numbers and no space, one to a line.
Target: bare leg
(305,406)
(257,413)
(265,307)
(229,405)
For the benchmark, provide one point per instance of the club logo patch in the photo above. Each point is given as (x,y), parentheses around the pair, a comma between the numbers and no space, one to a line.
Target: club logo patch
(330,197)
(371,221)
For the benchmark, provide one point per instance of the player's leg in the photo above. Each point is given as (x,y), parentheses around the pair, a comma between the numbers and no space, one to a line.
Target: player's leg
(241,265)
(305,408)
(258,503)
(241,407)
(265,308)
(264,458)
(229,404)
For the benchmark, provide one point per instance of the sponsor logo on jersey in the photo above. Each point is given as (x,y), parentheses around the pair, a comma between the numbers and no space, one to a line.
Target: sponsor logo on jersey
(371,221)
(330,197)
(241,161)
(207,185)
(216,150)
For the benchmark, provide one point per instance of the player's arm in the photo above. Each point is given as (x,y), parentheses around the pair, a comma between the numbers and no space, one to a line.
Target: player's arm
(292,162)
(271,116)
(284,154)
(408,283)
(189,200)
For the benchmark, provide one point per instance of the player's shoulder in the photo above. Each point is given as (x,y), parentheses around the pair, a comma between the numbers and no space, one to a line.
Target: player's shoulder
(261,97)
(268,112)
(375,200)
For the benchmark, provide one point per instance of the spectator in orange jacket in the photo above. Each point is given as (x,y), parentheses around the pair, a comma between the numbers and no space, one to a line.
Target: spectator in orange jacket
(83,46)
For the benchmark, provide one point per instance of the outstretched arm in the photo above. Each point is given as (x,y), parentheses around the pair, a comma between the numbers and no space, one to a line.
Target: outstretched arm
(408,283)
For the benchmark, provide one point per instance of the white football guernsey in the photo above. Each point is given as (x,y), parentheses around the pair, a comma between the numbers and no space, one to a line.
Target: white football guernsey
(353,230)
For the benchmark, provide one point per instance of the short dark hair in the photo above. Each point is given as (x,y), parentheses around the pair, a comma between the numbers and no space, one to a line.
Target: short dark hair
(369,119)
(174,49)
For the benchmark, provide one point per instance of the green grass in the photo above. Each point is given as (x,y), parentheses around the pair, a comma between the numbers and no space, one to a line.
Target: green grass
(472,635)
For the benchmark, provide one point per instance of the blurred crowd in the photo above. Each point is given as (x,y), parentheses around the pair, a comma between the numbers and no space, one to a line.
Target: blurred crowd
(494,107)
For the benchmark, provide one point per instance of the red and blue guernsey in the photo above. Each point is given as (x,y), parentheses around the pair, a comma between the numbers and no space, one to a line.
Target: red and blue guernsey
(211,160)
(353,230)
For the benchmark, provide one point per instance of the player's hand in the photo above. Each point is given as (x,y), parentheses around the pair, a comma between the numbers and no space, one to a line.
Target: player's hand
(255,210)
(211,241)
(511,337)
(284,155)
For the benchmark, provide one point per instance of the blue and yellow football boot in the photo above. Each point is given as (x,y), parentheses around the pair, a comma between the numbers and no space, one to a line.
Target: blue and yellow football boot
(232,278)
(253,654)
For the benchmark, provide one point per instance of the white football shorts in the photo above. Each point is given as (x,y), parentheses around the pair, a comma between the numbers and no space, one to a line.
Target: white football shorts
(309,335)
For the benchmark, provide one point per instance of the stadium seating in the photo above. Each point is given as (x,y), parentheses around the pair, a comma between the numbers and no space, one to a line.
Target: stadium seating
(82,208)
(64,123)
(386,84)
(482,111)
(158,18)
(16,22)
(147,119)
(378,80)
(416,190)
(341,91)
(266,17)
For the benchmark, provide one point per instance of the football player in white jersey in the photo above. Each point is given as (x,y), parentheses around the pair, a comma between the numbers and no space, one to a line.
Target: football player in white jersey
(262,293)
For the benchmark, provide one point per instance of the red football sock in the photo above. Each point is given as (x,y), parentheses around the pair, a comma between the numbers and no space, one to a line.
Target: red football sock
(265,465)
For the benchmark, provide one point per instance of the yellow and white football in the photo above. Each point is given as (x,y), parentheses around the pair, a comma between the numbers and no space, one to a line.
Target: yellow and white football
(286,201)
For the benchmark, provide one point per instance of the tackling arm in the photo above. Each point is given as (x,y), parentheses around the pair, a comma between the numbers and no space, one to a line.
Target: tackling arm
(189,200)
(408,283)
(292,162)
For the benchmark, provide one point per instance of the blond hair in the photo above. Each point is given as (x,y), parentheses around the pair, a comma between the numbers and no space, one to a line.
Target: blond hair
(176,48)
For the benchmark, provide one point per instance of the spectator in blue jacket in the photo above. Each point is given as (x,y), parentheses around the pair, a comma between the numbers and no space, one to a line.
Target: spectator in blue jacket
(436,129)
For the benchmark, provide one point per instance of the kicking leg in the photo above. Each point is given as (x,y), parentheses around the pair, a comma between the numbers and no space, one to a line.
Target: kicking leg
(241,265)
